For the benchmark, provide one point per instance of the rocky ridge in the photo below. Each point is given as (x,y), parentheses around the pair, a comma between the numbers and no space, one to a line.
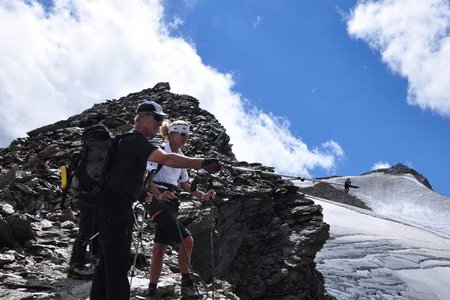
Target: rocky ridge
(265,233)
(400,169)
(328,191)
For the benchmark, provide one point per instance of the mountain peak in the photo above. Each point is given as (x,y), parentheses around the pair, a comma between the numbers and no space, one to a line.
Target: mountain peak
(271,233)
(401,169)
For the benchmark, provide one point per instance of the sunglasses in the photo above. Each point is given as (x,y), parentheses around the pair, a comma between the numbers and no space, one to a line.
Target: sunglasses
(156,117)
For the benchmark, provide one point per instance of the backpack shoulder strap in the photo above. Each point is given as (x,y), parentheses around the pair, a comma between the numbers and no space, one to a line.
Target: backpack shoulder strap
(118,138)
(158,168)
(159,165)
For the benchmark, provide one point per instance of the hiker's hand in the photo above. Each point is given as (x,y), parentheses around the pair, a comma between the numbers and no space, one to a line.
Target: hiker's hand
(211,165)
(211,194)
(166,196)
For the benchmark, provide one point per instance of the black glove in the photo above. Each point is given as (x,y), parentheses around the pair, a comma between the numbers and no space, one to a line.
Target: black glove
(211,165)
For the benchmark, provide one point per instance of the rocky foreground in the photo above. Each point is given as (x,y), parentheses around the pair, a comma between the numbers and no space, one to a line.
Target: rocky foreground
(257,241)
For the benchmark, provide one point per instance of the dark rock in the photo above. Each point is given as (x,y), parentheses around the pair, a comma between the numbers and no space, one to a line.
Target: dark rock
(52,127)
(328,191)
(21,229)
(9,177)
(6,235)
(257,240)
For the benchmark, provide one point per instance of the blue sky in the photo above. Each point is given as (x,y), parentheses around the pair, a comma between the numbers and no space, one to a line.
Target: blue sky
(296,59)
(316,88)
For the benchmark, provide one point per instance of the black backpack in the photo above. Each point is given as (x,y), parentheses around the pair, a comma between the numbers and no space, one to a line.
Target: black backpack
(89,168)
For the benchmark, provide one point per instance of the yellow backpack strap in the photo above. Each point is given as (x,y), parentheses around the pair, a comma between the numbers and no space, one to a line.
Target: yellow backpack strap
(63,174)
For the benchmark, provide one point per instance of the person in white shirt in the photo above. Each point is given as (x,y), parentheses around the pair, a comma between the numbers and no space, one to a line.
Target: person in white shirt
(163,210)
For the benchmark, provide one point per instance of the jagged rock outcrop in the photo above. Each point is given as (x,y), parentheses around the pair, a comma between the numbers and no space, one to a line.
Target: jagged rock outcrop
(265,234)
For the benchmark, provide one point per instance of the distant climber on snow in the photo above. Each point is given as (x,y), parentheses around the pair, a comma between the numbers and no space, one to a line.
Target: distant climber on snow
(347,185)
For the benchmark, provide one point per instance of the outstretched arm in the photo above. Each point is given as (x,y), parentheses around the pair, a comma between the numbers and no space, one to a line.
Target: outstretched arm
(175,160)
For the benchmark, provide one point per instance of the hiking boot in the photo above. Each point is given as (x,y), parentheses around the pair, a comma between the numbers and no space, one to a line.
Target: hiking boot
(189,290)
(152,293)
(82,273)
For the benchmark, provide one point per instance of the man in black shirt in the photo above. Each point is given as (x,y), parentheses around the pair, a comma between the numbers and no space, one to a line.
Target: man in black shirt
(124,186)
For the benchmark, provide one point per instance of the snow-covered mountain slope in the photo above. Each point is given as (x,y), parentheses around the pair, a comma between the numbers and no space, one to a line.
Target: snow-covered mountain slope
(368,257)
(400,249)
(402,198)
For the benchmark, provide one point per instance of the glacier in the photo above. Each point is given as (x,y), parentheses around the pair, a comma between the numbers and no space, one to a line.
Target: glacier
(398,250)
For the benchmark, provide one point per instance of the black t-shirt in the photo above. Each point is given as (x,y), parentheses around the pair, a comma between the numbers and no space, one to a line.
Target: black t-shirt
(129,162)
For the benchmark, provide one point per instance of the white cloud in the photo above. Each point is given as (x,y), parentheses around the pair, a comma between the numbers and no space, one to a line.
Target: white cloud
(414,41)
(190,4)
(175,23)
(381,165)
(59,63)
(334,148)
(409,164)
(257,22)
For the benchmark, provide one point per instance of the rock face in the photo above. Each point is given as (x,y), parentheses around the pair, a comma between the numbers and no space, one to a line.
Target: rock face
(328,191)
(258,240)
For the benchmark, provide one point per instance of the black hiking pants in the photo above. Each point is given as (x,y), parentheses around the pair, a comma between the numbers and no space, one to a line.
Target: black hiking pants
(87,227)
(110,280)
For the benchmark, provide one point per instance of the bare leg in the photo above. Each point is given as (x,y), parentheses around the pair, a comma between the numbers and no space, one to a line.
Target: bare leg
(158,252)
(182,259)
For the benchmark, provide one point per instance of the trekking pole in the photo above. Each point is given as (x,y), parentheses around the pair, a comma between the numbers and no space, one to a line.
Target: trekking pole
(286,176)
(188,259)
(211,218)
(211,237)
(147,180)
(93,237)
(139,240)
(90,246)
